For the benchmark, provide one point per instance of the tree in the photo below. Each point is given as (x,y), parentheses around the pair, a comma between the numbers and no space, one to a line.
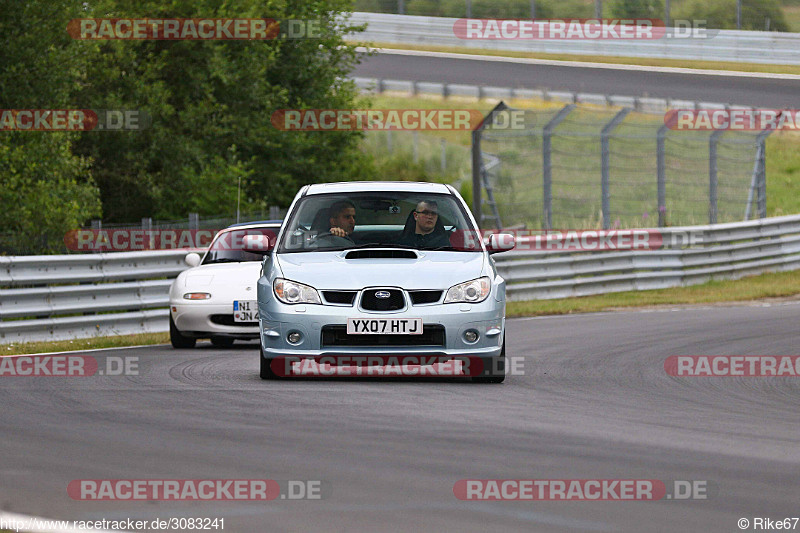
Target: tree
(211,103)
(46,189)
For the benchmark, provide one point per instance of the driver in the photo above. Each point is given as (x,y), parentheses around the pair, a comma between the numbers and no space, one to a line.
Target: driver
(342,218)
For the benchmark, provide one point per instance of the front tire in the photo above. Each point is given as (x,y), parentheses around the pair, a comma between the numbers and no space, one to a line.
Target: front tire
(494,368)
(177,339)
(266,365)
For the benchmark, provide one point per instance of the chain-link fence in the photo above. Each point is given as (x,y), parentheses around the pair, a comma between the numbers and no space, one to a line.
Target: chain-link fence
(585,167)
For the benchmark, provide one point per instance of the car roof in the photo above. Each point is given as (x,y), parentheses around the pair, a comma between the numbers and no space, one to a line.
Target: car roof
(269,223)
(377,186)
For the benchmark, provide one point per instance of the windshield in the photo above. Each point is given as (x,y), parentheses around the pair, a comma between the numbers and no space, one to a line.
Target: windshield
(418,221)
(228,246)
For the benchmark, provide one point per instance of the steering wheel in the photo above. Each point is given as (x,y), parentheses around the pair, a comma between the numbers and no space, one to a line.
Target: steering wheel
(333,239)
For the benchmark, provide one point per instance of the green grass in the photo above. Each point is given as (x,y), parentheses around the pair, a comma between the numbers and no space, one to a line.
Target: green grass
(771,285)
(792,14)
(84,344)
(614,60)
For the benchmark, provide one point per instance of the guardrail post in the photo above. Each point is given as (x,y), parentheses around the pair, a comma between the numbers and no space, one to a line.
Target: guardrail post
(605,137)
(547,166)
(712,175)
(661,175)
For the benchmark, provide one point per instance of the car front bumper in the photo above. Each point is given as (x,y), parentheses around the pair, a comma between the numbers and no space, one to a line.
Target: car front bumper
(279,320)
(196,320)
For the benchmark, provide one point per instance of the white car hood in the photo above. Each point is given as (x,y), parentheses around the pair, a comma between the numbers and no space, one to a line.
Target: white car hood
(237,274)
(431,270)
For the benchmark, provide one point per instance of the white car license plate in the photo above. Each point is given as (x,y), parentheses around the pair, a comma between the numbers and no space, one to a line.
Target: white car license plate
(384,326)
(245,311)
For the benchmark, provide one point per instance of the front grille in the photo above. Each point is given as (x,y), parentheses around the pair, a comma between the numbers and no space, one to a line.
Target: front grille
(227,320)
(424,297)
(432,335)
(370,302)
(339,297)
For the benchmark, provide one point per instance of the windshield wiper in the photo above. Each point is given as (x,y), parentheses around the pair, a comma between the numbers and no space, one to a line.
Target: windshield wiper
(223,260)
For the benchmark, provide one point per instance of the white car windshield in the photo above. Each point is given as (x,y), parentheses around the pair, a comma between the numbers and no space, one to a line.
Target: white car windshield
(420,221)
(228,246)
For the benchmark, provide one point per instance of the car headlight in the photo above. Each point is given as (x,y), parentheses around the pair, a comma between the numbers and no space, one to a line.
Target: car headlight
(473,291)
(291,292)
(196,296)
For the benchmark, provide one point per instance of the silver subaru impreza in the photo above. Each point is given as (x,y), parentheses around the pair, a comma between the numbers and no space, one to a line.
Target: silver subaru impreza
(370,271)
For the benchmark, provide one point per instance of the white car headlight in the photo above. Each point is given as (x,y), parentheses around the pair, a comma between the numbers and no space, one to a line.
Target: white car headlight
(291,292)
(473,291)
(196,296)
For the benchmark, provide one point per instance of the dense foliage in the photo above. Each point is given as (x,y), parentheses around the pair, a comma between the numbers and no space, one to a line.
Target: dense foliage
(210,103)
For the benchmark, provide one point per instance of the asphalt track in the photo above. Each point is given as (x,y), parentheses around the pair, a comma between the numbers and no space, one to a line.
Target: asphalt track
(752,91)
(594,402)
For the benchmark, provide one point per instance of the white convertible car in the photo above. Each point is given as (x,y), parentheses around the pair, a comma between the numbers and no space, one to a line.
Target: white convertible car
(216,298)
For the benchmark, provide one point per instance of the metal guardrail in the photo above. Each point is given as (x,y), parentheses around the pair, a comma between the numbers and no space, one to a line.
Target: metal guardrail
(725,45)
(723,251)
(109,294)
(640,104)
(116,293)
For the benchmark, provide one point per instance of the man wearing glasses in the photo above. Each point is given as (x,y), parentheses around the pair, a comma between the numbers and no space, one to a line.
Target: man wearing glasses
(425,230)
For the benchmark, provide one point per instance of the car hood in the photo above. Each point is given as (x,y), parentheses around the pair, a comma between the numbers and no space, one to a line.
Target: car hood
(431,270)
(244,273)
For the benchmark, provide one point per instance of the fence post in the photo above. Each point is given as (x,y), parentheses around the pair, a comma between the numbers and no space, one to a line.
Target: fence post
(476,175)
(194,221)
(547,167)
(605,137)
(762,172)
(712,175)
(477,162)
(661,175)
(147,229)
(274,212)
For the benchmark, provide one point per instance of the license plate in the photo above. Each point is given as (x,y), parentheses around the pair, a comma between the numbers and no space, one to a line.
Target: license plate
(245,311)
(384,326)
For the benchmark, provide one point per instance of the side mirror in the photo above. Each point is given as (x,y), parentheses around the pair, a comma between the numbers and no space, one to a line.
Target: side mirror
(257,244)
(500,242)
(192,259)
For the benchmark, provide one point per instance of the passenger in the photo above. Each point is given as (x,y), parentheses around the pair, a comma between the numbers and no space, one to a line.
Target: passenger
(425,230)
